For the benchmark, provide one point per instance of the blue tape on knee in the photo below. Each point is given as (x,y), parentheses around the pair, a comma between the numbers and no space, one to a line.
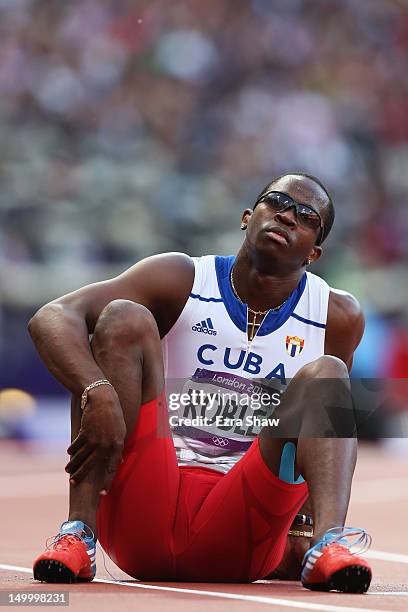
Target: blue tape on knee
(287,464)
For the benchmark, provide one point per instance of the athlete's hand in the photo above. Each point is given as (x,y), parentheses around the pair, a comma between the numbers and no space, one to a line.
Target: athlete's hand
(97,449)
(291,564)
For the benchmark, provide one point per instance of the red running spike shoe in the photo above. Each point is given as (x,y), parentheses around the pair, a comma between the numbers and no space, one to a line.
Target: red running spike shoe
(71,556)
(331,566)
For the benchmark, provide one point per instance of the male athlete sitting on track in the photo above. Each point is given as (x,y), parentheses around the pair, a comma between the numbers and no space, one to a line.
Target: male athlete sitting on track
(206,507)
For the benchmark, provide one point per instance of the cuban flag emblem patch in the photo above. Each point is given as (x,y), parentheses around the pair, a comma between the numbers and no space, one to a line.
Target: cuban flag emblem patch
(294,345)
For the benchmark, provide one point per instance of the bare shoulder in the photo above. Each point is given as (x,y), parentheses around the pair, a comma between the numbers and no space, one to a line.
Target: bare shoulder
(161,269)
(175,261)
(345,325)
(343,307)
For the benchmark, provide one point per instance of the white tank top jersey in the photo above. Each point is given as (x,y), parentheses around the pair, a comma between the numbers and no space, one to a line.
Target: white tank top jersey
(208,348)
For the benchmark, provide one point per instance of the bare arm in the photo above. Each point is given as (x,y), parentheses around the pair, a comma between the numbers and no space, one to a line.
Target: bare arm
(60,330)
(345,326)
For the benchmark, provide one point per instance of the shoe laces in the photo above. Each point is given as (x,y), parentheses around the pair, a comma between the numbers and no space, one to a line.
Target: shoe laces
(104,564)
(62,541)
(355,539)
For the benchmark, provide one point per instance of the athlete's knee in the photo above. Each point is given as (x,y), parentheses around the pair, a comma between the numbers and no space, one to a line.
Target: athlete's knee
(124,323)
(326,366)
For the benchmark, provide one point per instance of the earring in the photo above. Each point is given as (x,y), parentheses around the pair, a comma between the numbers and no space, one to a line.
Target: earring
(309,261)
(243,226)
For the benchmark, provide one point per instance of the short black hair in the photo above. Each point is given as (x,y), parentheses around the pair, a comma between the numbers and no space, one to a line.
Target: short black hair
(329,210)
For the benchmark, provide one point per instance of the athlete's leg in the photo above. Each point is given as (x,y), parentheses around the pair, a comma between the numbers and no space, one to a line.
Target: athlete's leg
(240,529)
(135,518)
(326,462)
(126,346)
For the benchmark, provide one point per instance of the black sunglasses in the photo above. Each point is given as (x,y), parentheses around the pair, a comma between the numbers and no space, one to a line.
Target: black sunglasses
(306,215)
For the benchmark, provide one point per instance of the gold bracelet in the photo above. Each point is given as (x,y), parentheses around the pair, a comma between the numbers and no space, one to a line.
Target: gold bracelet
(297,533)
(97,383)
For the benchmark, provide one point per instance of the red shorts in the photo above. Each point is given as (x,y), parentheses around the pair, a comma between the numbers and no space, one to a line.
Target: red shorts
(160,521)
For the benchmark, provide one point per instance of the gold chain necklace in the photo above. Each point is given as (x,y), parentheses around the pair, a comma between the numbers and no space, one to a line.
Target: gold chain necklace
(255,313)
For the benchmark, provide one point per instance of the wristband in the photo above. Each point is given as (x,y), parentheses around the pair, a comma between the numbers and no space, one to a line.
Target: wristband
(97,383)
(303,519)
(300,534)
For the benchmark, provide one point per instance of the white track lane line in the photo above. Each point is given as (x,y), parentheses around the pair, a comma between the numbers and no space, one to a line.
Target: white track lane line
(388,593)
(386,556)
(274,601)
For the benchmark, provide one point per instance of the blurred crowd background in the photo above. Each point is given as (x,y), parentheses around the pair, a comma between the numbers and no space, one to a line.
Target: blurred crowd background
(129,128)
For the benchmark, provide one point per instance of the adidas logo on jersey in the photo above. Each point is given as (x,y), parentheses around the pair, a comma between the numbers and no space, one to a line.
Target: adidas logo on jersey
(205,327)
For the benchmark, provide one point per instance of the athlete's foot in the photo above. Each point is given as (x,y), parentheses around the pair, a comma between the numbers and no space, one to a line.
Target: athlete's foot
(70,557)
(331,566)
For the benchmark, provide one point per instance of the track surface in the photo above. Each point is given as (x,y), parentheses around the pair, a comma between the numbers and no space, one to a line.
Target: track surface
(33,502)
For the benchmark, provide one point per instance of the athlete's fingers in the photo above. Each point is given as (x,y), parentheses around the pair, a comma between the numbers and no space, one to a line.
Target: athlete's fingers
(110,471)
(84,469)
(77,443)
(77,458)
